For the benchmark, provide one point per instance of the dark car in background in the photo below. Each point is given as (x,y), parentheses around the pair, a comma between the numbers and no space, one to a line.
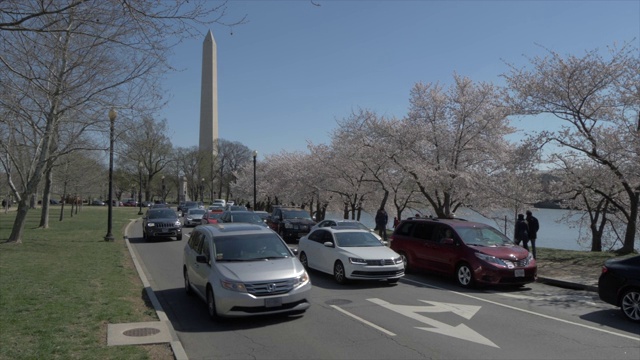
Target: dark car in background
(290,223)
(98,203)
(161,223)
(248,217)
(619,285)
(474,253)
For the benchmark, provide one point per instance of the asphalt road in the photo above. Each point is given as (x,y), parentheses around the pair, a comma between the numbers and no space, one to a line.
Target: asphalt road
(423,316)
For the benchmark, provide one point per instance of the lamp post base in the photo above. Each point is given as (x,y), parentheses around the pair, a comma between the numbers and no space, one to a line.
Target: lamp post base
(108,237)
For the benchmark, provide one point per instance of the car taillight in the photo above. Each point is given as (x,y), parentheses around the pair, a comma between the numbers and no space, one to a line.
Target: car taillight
(604,269)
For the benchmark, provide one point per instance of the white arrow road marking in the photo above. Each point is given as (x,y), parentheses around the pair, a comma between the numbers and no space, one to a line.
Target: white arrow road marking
(461,331)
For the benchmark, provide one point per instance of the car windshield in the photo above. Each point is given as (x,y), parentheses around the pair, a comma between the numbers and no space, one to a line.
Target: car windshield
(247,218)
(356,239)
(249,247)
(161,214)
(355,224)
(196,212)
(482,236)
(295,214)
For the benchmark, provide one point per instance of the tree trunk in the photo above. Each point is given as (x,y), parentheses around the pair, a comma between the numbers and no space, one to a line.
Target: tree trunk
(46,197)
(18,224)
(630,233)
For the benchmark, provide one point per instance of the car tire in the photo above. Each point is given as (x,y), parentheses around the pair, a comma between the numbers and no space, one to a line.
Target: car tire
(211,304)
(187,283)
(464,275)
(144,235)
(339,273)
(179,237)
(405,260)
(630,304)
(304,261)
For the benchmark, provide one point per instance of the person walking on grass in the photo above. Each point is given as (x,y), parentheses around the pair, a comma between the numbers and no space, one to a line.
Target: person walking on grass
(532,227)
(522,232)
(381,223)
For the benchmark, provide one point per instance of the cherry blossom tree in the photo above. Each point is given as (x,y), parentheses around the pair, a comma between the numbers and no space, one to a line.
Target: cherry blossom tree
(596,98)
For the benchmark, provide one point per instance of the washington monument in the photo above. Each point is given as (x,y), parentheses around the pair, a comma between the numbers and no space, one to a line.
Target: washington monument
(209,95)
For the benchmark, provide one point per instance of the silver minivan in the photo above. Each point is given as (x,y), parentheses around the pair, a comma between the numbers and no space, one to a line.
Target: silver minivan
(244,270)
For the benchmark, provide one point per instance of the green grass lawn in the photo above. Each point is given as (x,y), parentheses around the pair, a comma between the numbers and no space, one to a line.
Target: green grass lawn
(61,287)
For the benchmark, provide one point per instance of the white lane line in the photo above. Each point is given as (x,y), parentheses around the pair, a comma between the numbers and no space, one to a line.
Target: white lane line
(363,321)
(527,311)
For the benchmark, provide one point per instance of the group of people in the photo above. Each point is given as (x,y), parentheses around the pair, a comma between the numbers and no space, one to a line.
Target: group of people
(526,232)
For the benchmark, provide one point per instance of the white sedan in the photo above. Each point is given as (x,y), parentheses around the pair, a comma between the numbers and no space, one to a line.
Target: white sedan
(349,253)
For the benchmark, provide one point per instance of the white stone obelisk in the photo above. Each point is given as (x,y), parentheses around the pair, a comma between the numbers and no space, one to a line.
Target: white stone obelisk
(209,95)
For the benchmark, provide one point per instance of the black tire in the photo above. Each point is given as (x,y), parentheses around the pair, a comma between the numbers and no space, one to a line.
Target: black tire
(187,283)
(339,273)
(630,304)
(304,260)
(144,235)
(179,237)
(405,260)
(464,275)
(211,304)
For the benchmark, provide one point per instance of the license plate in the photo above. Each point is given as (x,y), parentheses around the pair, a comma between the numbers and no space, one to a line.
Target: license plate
(273,302)
(519,272)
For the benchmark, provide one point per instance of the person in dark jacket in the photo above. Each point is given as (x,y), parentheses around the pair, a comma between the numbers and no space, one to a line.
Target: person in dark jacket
(533,227)
(381,223)
(522,232)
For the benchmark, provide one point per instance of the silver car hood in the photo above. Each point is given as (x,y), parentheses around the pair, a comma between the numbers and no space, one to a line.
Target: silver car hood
(261,270)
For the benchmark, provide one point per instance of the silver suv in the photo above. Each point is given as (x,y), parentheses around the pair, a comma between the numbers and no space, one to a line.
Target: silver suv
(244,270)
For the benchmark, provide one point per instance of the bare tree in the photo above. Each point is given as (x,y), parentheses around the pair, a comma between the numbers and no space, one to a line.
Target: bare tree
(64,63)
(597,100)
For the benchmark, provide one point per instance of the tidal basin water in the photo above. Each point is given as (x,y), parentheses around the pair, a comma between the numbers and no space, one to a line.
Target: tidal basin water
(557,230)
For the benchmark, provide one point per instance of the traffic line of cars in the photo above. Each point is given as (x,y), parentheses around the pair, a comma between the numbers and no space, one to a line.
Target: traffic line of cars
(241,267)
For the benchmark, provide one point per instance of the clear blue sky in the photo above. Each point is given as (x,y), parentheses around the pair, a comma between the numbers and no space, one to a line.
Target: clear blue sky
(294,68)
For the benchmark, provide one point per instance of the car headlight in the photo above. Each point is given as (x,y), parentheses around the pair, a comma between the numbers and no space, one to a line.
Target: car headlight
(398,260)
(301,280)
(233,286)
(288,225)
(177,223)
(357,261)
(490,259)
(151,224)
(530,258)
(189,218)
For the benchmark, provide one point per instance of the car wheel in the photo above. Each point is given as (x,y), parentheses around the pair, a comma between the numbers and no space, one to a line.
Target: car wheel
(630,304)
(304,260)
(144,234)
(405,261)
(339,273)
(211,304)
(179,237)
(464,275)
(187,283)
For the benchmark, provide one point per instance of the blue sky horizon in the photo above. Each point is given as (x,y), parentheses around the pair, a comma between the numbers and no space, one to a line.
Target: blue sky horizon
(286,76)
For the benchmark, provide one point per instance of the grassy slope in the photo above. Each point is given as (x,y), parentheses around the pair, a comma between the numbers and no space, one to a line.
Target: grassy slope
(61,287)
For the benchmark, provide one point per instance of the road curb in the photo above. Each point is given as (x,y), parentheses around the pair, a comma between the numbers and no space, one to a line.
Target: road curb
(176,345)
(566,284)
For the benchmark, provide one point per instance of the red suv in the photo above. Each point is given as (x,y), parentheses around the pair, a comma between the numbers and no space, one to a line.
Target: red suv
(474,253)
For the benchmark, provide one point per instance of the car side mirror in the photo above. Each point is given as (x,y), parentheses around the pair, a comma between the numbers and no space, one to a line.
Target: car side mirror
(294,251)
(328,244)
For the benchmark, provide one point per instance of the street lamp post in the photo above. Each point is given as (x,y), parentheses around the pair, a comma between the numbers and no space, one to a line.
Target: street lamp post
(202,190)
(255,155)
(163,190)
(112,119)
(140,188)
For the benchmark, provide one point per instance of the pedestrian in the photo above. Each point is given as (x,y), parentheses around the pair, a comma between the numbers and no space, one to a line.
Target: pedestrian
(533,227)
(522,232)
(417,216)
(381,223)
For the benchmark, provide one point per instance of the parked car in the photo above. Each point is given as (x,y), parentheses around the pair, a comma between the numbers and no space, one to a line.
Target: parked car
(248,217)
(290,223)
(211,217)
(161,223)
(129,202)
(244,270)
(216,208)
(474,253)
(219,202)
(619,285)
(349,253)
(194,216)
(98,203)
